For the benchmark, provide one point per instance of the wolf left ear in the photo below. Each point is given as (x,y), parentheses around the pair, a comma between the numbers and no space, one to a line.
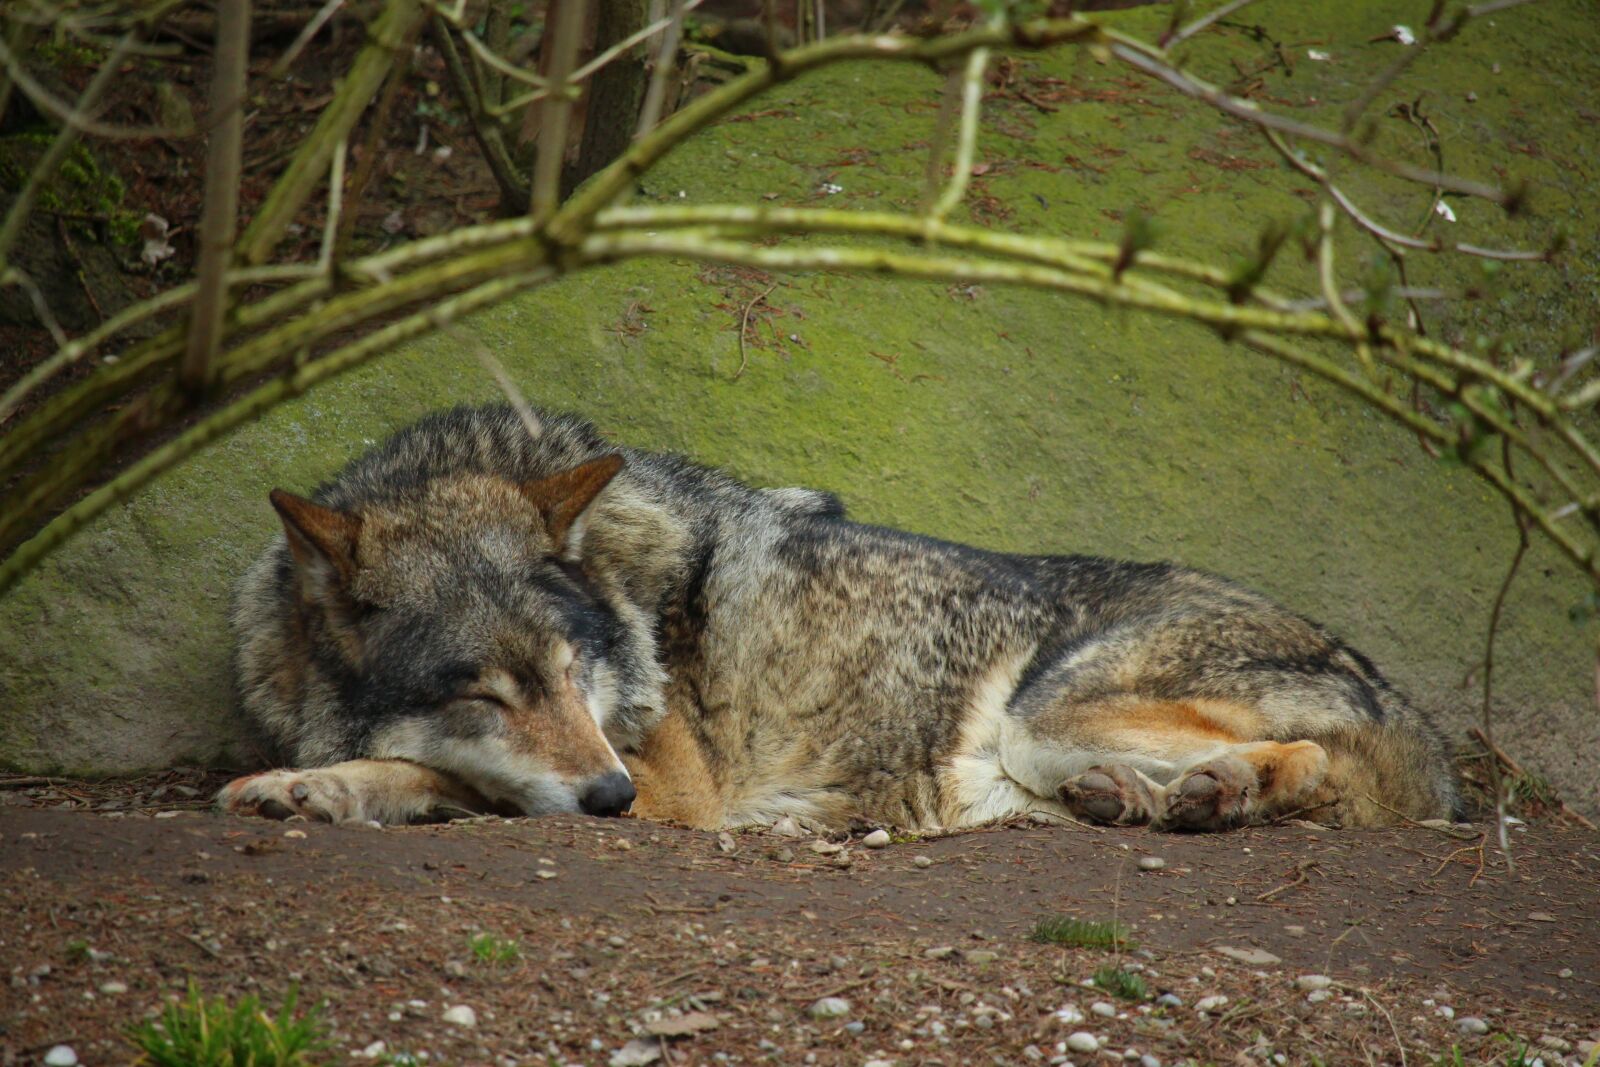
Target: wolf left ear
(563,499)
(322,540)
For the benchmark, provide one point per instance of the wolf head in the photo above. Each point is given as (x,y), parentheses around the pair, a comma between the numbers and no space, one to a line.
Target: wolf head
(457,622)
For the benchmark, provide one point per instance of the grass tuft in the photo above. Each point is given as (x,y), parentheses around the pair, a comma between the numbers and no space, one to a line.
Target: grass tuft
(201,1032)
(1121,983)
(487,948)
(1080,933)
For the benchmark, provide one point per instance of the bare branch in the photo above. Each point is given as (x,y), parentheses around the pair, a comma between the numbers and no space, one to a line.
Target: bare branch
(1189,85)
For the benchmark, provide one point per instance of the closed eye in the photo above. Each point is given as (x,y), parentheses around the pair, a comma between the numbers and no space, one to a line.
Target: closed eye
(493,700)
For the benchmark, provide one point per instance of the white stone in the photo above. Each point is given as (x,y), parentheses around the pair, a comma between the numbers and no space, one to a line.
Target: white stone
(1103,1009)
(830,1008)
(921,861)
(1309,982)
(1151,863)
(112,988)
(1473,1025)
(1211,1003)
(61,1056)
(1069,1015)
(460,1015)
(1083,1041)
(876,839)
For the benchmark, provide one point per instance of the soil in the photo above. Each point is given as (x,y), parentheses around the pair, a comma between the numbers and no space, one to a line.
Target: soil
(626,929)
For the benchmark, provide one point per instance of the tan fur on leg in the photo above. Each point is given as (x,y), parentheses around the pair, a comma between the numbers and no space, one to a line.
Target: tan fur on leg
(391,792)
(675,783)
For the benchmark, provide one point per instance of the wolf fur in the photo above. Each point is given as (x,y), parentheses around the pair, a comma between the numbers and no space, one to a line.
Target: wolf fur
(472,617)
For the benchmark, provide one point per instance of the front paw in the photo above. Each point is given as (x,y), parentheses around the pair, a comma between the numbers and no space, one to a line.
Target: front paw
(316,795)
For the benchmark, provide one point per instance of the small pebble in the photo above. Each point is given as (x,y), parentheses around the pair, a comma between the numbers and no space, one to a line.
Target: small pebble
(1151,863)
(855,1026)
(783,855)
(876,839)
(1083,1041)
(1317,996)
(1148,1060)
(1308,982)
(61,1056)
(980,956)
(1033,1053)
(940,952)
(1167,1000)
(1473,1025)
(460,1015)
(830,1008)
(112,988)
(1446,1011)
(921,861)
(1211,1003)
(1104,1010)
(1068,1015)
(787,827)
(726,842)
(826,848)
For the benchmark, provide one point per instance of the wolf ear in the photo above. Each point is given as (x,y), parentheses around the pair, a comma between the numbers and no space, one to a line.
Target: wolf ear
(322,540)
(563,499)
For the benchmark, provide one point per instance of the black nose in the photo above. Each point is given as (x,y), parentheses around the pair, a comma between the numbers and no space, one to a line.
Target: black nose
(609,795)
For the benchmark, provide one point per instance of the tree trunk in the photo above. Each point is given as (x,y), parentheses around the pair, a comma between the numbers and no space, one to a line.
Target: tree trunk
(616,91)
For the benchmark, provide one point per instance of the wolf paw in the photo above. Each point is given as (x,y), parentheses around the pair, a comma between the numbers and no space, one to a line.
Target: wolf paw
(1212,796)
(391,792)
(1115,794)
(320,796)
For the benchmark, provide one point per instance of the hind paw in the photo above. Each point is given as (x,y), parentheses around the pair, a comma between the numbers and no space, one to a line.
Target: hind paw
(1213,796)
(1114,794)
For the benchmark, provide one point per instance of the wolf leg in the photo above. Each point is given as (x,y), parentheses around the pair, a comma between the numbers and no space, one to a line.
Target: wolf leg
(1247,784)
(364,790)
(1112,793)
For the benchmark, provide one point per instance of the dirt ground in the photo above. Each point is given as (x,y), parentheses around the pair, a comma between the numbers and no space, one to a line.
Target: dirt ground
(117,897)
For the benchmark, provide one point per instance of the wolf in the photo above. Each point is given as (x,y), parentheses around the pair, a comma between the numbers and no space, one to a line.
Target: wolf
(500,611)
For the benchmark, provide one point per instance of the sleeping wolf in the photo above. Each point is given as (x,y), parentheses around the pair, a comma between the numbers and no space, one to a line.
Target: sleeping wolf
(476,618)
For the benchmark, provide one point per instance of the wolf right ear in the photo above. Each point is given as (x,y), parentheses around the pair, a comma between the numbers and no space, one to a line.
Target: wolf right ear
(322,540)
(563,499)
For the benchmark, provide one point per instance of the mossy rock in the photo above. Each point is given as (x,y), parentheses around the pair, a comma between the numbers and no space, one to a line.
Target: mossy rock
(1012,419)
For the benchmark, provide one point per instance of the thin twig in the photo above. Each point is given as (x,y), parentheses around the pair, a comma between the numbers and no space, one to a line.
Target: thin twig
(744,324)
(1495,781)
(1392,1028)
(1203,21)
